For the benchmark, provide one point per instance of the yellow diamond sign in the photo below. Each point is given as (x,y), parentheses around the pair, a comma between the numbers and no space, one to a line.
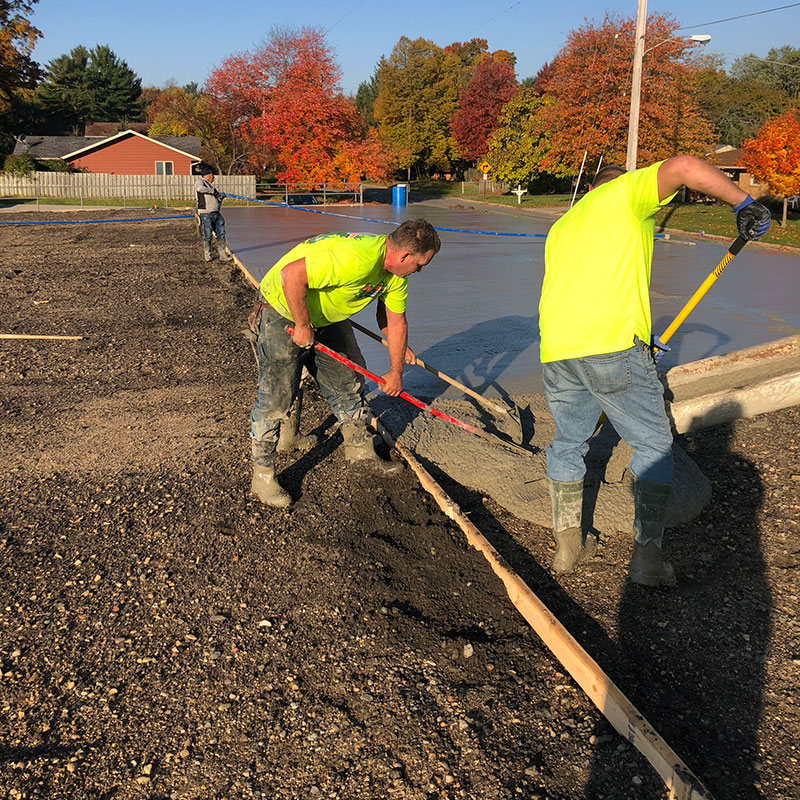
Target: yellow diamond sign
(484,167)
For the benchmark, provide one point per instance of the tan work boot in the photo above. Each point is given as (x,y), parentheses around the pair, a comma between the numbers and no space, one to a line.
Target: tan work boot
(266,488)
(360,448)
(571,547)
(647,566)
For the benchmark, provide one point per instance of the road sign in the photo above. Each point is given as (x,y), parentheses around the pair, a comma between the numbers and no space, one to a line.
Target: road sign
(484,167)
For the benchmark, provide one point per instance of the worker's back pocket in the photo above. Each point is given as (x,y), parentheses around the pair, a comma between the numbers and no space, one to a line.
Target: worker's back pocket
(609,373)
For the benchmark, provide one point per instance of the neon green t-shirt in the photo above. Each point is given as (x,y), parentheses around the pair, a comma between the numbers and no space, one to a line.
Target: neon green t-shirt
(345,274)
(597,259)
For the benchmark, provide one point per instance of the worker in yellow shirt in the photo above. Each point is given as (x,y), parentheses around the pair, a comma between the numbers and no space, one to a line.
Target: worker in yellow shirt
(317,287)
(594,320)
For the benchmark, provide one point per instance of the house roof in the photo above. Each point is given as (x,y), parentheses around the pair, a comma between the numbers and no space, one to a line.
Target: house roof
(727,158)
(64,147)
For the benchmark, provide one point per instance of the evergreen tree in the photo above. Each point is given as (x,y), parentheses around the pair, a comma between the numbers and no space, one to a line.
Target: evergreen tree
(88,85)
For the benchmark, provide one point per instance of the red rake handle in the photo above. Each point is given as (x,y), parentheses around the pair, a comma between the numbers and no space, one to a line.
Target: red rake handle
(380,381)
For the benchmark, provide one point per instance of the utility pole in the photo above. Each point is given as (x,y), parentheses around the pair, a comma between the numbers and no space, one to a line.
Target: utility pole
(636,86)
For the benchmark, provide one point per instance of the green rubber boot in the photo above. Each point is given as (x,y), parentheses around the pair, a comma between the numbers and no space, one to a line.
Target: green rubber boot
(571,547)
(647,566)
(266,488)
(360,448)
(290,437)
(222,250)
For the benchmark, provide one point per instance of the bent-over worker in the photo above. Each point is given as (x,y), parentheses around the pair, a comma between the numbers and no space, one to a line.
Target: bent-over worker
(317,287)
(594,319)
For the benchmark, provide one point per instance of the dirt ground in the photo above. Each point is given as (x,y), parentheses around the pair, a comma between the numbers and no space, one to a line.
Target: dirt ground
(162,635)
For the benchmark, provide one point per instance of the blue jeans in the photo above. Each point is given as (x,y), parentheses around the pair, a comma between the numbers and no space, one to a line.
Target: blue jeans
(280,365)
(212,221)
(625,386)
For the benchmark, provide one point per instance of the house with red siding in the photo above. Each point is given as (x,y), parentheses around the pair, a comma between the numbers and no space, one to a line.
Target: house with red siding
(126,153)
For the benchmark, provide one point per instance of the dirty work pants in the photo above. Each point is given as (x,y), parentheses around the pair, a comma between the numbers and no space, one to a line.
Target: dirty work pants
(212,221)
(280,364)
(625,386)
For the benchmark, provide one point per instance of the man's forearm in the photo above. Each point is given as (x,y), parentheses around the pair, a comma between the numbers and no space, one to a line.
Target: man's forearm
(699,176)
(397,338)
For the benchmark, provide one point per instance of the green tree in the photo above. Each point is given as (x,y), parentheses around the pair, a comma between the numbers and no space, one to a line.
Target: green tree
(87,85)
(18,71)
(779,71)
(736,107)
(366,95)
(519,146)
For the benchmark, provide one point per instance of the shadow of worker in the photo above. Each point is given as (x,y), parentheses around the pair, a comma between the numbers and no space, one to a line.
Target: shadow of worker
(691,658)
(478,356)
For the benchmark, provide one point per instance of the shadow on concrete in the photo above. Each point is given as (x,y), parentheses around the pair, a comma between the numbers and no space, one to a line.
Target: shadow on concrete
(683,333)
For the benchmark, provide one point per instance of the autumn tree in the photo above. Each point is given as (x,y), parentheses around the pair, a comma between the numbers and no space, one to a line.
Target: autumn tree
(18,71)
(589,82)
(492,85)
(418,89)
(773,156)
(285,104)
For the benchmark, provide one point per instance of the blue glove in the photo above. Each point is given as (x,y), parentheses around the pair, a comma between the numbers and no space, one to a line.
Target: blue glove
(752,218)
(221,195)
(658,348)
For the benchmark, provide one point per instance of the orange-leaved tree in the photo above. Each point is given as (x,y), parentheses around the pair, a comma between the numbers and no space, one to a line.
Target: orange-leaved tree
(590,83)
(774,155)
(291,111)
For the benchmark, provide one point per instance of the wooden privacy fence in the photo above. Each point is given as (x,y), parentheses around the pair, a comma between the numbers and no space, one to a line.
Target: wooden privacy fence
(169,189)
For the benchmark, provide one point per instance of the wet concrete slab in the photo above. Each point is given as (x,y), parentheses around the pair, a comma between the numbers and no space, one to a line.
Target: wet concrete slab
(473,312)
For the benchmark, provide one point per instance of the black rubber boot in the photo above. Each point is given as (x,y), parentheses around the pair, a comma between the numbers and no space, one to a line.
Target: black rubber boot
(360,448)
(647,566)
(222,250)
(571,546)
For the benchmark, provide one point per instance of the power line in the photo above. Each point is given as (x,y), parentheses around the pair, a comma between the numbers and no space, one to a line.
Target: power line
(341,19)
(492,19)
(758,58)
(741,16)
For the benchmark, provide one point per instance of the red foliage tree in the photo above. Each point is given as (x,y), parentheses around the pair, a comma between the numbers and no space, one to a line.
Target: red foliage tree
(287,104)
(492,85)
(774,155)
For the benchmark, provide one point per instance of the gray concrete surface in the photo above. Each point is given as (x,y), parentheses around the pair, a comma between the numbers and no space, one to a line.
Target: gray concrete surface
(473,312)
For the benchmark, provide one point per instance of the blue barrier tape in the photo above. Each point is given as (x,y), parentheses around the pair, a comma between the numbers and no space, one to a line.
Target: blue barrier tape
(383,221)
(92,221)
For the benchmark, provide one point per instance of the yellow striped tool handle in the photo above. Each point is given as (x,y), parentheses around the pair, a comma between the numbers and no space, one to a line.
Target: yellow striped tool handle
(733,250)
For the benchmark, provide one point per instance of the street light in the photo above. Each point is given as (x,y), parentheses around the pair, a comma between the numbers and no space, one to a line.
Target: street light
(636,83)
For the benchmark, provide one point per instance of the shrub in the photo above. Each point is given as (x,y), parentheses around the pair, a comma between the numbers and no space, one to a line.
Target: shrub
(20,166)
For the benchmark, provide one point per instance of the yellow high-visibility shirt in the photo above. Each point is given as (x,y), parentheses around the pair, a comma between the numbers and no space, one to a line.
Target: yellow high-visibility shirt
(597,259)
(345,274)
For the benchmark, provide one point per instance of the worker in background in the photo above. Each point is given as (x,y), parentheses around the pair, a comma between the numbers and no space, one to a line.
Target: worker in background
(594,319)
(209,203)
(316,287)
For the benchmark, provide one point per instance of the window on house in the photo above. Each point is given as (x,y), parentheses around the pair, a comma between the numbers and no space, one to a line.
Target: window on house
(753,181)
(164,168)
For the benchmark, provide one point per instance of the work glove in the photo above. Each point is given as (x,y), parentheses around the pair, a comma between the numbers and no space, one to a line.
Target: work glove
(658,348)
(221,195)
(752,218)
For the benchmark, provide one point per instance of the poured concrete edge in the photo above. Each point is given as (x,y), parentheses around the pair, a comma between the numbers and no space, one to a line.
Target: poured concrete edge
(601,690)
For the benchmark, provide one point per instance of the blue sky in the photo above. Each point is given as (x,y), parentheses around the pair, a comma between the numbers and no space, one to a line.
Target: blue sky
(182,41)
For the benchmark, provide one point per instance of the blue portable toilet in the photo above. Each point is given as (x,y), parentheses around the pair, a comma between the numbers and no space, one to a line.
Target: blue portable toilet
(399,194)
